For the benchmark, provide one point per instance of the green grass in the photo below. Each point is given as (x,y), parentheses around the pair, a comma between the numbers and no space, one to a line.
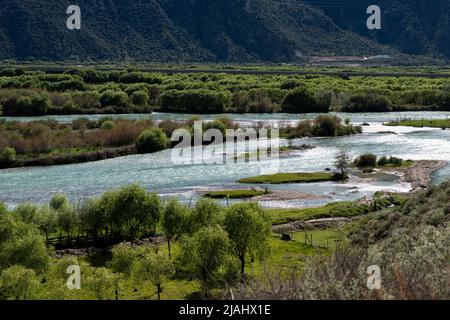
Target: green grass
(289,256)
(234,194)
(282,178)
(437,123)
(405,164)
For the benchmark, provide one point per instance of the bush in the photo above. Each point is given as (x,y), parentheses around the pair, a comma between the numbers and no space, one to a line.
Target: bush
(140,98)
(302,100)
(383,161)
(114,98)
(367,102)
(8,155)
(107,125)
(366,160)
(326,125)
(195,101)
(152,140)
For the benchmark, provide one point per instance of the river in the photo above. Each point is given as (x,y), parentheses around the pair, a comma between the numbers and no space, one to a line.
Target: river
(157,172)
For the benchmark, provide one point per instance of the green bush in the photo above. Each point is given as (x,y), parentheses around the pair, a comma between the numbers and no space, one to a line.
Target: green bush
(367,102)
(140,98)
(107,125)
(195,101)
(8,155)
(302,100)
(152,140)
(366,160)
(114,98)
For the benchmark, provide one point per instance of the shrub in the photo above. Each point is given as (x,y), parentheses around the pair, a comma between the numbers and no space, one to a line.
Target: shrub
(8,155)
(366,160)
(383,161)
(195,101)
(140,98)
(326,125)
(107,125)
(114,98)
(367,102)
(301,100)
(152,140)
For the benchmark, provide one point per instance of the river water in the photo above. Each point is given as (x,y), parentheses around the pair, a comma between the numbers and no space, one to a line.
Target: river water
(157,171)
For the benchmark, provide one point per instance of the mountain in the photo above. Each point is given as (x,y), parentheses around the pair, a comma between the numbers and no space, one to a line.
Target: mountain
(221,30)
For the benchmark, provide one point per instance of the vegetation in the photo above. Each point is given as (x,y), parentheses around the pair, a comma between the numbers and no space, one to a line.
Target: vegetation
(321,126)
(234,194)
(280,178)
(86,91)
(370,160)
(213,245)
(433,123)
(43,143)
(409,244)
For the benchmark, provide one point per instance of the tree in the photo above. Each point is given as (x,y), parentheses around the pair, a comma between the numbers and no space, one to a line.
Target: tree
(342,163)
(154,268)
(58,201)
(173,219)
(135,209)
(102,282)
(67,220)
(204,253)
(21,244)
(27,212)
(47,221)
(206,212)
(123,259)
(17,282)
(152,140)
(248,228)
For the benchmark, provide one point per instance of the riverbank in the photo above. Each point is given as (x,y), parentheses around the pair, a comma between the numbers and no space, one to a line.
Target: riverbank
(430,123)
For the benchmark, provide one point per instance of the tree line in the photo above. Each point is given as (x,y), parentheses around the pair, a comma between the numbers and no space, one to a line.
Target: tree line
(85,91)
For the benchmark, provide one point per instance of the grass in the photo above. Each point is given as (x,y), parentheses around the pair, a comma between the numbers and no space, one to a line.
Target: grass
(337,209)
(437,123)
(282,178)
(405,164)
(234,194)
(256,155)
(289,256)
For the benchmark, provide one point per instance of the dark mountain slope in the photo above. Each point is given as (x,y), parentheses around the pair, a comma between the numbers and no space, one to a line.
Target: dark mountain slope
(218,30)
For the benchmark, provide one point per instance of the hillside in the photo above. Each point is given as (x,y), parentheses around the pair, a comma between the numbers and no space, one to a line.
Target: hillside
(217,30)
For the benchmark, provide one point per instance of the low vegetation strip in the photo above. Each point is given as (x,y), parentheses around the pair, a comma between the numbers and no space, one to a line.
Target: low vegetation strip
(431,123)
(234,194)
(294,177)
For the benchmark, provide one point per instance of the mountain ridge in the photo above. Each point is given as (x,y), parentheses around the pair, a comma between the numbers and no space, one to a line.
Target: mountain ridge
(220,31)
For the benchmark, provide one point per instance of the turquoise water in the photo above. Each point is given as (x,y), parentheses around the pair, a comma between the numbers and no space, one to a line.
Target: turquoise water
(157,172)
